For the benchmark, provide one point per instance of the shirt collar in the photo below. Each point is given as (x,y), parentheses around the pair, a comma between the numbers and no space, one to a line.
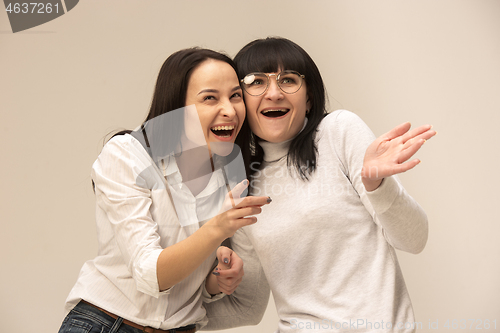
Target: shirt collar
(172,174)
(170,170)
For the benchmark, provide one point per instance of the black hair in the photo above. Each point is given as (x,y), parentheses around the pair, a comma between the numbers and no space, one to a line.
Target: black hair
(270,55)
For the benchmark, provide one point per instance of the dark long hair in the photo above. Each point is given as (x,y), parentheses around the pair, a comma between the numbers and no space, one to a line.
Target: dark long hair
(173,79)
(270,55)
(170,94)
(171,88)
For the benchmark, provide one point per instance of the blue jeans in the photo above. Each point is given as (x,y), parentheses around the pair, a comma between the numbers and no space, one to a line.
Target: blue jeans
(85,318)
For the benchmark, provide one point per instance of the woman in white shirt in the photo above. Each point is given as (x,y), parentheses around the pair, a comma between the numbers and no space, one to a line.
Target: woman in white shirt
(163,208)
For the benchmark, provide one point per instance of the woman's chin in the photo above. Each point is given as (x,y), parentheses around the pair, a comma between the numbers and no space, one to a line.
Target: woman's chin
(221,148)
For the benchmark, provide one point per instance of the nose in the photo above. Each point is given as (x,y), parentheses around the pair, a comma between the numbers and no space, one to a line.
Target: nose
(273,92)
(227,109)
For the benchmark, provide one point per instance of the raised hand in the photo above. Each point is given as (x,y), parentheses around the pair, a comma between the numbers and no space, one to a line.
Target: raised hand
(390,153)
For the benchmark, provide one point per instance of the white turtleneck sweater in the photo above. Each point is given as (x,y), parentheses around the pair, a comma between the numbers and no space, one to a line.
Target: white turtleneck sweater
(326,245)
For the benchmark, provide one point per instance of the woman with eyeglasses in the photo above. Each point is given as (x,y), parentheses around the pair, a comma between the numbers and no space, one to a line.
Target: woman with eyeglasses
(163,207)
(327,245)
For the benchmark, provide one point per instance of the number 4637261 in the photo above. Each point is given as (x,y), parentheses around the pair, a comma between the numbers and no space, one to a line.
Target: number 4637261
(32,8)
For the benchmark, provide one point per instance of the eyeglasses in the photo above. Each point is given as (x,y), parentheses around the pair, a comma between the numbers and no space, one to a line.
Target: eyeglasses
(256,84)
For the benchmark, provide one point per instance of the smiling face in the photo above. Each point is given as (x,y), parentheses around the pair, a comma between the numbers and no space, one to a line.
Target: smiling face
(276,116)
(214,90)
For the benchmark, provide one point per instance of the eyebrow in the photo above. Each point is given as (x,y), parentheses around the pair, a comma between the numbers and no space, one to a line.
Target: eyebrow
(216,91)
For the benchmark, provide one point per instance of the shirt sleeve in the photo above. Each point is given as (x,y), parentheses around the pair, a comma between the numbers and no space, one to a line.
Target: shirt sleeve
(403,221)
(120,180)
(247,304)
(207,298)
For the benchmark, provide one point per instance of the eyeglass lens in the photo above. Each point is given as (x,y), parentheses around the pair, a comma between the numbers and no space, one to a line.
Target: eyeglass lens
(257,83)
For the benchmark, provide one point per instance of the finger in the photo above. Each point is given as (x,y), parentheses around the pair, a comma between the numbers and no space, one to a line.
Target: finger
(224,256)
(236,262)
(397,131)
(225,282)
(416,132)
(221,272)
(227,291)
(226,274)
(238,189)
(243,212)
(221,266)
(235,269)
(235,285)
(228,285)
(424,136)
(233,197)
(223,288)
(400,168)
(418,140)
(410,150)
(243,222)
(231,273)
(254,201)
(235,193)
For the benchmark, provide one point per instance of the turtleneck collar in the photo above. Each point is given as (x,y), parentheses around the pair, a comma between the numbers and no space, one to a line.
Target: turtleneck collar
(275,151)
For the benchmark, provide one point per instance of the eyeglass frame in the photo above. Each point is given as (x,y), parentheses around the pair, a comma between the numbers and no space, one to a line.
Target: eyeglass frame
(302,77)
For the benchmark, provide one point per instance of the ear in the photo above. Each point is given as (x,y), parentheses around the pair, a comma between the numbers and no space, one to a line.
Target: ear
(308,103)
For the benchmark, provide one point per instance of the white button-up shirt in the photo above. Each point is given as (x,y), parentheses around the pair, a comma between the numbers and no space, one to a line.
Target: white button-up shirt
(136,220)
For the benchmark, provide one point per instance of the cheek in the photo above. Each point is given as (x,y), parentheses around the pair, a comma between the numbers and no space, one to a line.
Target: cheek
(194,125)
(252,119)
(251,108)
(241,111)
(205,124)
(251,103)
(302,100)
(240,114)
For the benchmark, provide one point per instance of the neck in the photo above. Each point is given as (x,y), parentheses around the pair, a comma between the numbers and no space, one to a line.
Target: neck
(194,163)
(275,151)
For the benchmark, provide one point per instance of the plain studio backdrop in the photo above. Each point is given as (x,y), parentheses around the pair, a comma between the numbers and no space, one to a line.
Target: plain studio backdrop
(66,84)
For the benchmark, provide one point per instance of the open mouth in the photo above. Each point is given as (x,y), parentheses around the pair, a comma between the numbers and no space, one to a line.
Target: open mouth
(223,131)
(275,113)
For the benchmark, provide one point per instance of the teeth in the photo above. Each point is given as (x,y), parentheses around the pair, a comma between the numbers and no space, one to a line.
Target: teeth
(223,128)
(266,111)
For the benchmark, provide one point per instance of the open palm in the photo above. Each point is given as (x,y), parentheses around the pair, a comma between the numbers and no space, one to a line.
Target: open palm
(390,153)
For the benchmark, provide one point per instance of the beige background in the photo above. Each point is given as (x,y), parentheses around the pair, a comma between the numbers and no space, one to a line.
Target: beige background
(64,85)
